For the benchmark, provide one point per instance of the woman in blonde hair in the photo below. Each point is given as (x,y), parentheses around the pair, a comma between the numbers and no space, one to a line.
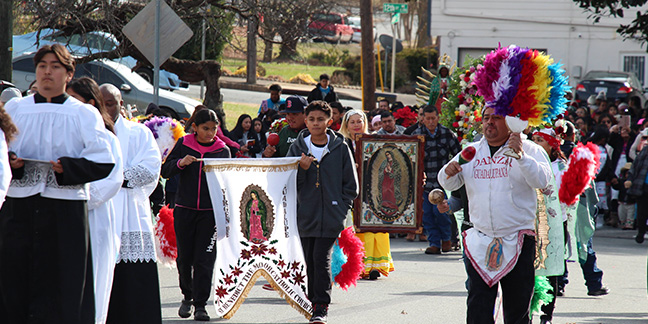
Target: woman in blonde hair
(378,258)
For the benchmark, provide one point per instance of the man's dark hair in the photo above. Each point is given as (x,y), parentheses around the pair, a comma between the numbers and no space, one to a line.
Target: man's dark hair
(275,87)
(337,105)
(320,105)
(324,76)
(386,114)
(430,109)
(61,53)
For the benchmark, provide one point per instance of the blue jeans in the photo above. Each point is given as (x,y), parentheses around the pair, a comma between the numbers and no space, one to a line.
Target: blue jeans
(435,224)
(592,274)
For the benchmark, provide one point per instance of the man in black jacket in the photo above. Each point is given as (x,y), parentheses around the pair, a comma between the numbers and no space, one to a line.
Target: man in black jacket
(323,91)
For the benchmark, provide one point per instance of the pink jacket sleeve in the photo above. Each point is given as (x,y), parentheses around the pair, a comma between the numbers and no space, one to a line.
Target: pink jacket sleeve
(226,139)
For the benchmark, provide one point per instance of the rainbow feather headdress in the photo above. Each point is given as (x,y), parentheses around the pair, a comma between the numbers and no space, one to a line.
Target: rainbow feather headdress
(523,83)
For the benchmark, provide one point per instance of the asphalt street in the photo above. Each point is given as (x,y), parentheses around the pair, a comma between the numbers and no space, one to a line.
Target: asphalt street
(430,289)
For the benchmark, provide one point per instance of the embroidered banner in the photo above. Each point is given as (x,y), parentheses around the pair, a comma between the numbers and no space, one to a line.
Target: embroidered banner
(255,206)
(550,237)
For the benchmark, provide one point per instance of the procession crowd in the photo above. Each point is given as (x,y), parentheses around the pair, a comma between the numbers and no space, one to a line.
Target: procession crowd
(81,182)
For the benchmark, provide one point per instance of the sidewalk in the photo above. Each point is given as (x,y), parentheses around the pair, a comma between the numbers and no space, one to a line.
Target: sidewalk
(345,93)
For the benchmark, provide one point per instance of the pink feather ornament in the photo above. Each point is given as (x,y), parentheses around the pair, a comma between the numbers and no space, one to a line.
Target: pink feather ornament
(354,250)
(583,164)
(167,248)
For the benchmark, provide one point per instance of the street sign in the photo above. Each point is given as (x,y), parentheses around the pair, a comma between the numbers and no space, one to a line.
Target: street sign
(395,8)
(395,18)
(141,31)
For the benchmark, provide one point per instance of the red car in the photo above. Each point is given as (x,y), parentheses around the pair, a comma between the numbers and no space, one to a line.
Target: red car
(332,27)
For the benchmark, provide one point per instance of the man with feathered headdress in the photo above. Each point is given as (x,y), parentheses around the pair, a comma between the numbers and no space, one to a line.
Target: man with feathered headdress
(500,249)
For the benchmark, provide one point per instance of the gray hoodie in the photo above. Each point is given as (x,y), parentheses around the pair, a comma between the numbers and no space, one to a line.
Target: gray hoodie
(321,210)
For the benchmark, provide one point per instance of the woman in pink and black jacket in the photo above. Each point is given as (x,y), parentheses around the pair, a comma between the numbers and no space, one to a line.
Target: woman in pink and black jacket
(193,213)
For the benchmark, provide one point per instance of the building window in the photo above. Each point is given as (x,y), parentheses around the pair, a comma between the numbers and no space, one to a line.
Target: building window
(637,65)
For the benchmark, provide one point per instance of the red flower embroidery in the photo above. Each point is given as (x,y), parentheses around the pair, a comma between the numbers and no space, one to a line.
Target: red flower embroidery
(295,265)
(281,263)
(259,249)
(285,274)
(272,250)
(228,279)
(220,292)
(298,278)
(236,271)
(245,255)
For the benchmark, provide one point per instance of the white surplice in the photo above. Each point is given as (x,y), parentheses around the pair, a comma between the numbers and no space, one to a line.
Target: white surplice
(142,164)
(5,168)
(101,220)
(49,131)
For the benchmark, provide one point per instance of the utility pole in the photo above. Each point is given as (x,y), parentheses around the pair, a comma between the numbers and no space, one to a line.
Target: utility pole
(6,33)
(368,56)
(251,49)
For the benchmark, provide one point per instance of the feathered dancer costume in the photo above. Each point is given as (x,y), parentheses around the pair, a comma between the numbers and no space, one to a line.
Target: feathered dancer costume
(524,83)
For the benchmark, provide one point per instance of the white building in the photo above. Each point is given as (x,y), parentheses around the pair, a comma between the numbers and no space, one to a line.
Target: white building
(558,27)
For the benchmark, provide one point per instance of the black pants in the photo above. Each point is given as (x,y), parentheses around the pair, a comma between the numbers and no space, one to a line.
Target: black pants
(45,262)
(642,211)
(195,230)
(517,290)
(317,251)
(135,295)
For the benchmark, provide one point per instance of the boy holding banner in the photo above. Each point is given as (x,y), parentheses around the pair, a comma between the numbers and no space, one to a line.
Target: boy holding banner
(327,183)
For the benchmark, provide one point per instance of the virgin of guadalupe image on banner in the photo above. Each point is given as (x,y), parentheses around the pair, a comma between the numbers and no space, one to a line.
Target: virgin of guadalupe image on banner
(388,173)
(255,206)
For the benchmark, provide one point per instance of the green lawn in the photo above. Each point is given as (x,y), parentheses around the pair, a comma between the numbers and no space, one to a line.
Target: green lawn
(234,110)
(285,70)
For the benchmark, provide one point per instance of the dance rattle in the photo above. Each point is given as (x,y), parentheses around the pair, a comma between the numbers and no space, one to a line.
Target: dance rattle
(273,139)
(466,155)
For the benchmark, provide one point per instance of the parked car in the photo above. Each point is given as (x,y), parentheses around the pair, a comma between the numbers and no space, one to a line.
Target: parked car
(615,85)
(135,90)
(90,43)
(332,27)
(354,22)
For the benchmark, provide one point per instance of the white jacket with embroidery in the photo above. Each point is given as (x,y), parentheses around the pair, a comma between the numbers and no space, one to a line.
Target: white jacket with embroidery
(501,190)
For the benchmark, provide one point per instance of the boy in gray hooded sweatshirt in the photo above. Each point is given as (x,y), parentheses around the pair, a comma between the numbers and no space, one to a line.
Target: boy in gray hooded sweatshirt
(327,183)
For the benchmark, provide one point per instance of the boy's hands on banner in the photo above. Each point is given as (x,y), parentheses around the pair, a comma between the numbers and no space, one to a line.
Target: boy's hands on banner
(305,161)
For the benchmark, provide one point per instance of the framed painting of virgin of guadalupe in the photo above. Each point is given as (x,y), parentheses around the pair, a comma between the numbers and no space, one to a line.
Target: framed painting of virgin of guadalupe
(390,173)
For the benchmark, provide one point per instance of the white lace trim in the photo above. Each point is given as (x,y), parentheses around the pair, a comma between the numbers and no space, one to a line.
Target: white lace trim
(36,173)
(139,176)
(136,246)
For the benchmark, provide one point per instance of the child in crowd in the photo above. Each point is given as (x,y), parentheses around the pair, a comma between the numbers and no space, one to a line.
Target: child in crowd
(244,134)
(626,202)
(327,183)
(193,214)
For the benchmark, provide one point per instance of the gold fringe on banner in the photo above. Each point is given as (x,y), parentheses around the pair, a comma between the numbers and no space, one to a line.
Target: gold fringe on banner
(251,168)
(274,285)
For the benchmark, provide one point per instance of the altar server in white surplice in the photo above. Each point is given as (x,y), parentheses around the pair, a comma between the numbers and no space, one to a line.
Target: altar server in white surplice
(135,297)
(101,210)
(62,145)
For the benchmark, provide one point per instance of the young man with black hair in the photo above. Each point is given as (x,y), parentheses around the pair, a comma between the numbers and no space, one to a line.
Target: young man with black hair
(294,111)
(327,183)
(389,126)
(323,91)
(46,270)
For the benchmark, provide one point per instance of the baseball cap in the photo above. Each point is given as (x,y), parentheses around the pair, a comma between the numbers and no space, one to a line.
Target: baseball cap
(294,104)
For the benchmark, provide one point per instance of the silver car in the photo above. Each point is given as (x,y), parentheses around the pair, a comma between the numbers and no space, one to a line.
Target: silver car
(90,43)
(135,90)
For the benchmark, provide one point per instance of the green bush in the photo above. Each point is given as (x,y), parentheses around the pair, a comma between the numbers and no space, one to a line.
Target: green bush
(332,57)
(408,66)
(415,58)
